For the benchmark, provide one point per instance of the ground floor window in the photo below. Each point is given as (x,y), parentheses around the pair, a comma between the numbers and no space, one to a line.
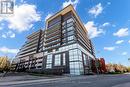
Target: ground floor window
(75,62)
(49,61)
(57,61)
(64,59)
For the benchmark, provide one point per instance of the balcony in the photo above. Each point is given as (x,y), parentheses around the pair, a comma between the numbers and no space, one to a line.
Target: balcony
(52,42)
(52,38)
(29,47)
(58,32)
(28,50)
(52,47)
(33,34)
(20,56)
(36,38)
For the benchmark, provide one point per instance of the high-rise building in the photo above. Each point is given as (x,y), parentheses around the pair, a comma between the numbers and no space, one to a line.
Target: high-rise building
(63,47)
(31,54)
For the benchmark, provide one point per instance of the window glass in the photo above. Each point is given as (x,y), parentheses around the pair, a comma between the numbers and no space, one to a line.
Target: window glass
(69,24)
(57,60)
(64,59)
(63,23)
(79,52)
(54,21)
(48,66)
(70,33)
(84,57)
(70,38)
(49,61)
(70,28)
(63,31)
(74,45)
(70,20)
(76,66)
(70,46)
(76,58)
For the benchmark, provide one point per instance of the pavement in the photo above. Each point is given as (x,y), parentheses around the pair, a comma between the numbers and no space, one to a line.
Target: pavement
(121,80)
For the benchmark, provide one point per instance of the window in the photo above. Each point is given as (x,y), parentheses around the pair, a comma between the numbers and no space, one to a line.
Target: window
(48,66)
(75,61)
(64,59)
(57,60)
(70,28)
(70,33)
(69,24)
(70,20)
(73,55)
(63,31)
(70,38)
(54,21)
(84,56)
(63,23)
(49,61)
(75,68)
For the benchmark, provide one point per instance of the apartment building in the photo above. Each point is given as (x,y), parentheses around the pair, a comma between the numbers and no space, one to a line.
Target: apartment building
(30,55)
(63,47)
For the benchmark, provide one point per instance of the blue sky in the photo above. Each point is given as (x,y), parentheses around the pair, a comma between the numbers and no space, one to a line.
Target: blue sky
(107,22)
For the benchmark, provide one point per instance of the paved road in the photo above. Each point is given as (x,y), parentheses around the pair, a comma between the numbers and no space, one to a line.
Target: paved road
(78,81)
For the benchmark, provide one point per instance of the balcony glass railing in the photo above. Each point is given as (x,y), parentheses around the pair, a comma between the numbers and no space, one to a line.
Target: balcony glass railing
(28,47)
(52,42)
(53,34)
(28,50)
(26,54)
(52,38)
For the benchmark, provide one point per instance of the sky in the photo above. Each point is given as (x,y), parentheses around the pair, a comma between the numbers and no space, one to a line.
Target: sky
(107,22)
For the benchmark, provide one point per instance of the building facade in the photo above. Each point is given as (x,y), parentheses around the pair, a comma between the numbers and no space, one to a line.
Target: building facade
(30,55)
(63,47)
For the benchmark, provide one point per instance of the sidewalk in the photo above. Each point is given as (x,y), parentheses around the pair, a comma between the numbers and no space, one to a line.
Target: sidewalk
(123,85)
(30,81)
(20,78)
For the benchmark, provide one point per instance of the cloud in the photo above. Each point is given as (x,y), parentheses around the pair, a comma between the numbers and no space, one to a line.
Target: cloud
(4,36)
(129,41)
(106,24)
(48,16)
(113,25)
(122,32)
(93,31)
(119,41)
(96,10)
(74,3)
(124,53)
(109,48)
(8,34)
(109,3)
(8,50)
(21,1)
(23,18)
